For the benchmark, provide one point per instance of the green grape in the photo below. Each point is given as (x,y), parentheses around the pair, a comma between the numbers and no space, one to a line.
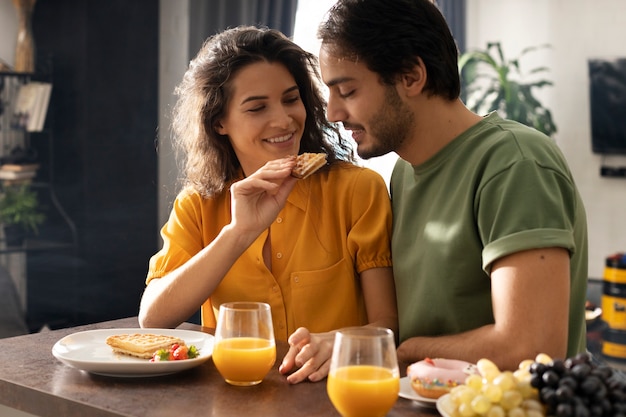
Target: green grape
(463,394)
(543,358)
(493,392)
(487,369)
(506,381)
(534,413)
(496,411)
(480,404)
(522,375)
(474,381)
(466,410)
(527,390)
(525,364)
(511,399)
(516,412)
(532,404)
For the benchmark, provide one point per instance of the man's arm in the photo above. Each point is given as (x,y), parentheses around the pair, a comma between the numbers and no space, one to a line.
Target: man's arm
(530,295)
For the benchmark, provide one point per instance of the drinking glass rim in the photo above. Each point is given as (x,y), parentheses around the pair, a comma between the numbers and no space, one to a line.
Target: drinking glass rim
(245,305)
(366,332)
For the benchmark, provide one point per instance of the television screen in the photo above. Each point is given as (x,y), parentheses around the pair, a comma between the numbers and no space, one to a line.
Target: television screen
(607,93)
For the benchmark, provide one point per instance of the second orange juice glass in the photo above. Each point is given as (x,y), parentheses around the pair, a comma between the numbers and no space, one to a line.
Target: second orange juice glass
(364,379)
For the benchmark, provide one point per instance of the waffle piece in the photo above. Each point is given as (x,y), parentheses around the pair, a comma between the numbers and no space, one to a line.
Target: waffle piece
(141,345)
(308,163)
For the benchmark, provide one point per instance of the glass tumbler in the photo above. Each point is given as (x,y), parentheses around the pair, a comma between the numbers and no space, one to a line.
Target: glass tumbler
(364,379)
(244,349)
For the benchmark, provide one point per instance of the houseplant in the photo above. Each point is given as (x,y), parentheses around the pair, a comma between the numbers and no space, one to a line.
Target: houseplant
(492,82)
(19,213)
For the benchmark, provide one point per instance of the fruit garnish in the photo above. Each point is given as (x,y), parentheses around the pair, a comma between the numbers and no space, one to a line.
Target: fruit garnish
(175,352)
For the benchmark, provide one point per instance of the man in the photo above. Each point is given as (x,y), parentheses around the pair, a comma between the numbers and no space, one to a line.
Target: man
(489,234)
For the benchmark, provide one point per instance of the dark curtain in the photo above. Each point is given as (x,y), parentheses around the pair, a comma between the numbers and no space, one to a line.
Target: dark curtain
(207,17)
(454,12)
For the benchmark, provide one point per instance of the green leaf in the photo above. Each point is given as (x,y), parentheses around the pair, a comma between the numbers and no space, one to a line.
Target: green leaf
(193,352)
(19,205)
(490,82)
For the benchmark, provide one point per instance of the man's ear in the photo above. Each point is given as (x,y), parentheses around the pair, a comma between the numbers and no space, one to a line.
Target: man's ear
(413,82)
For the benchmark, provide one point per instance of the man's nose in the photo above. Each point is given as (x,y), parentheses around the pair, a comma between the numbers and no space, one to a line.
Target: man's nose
(334,110)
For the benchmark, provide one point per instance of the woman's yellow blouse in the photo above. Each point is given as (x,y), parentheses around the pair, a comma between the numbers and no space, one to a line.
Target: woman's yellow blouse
(336,224)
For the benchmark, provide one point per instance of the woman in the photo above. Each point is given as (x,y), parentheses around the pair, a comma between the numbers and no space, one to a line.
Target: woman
(317,249)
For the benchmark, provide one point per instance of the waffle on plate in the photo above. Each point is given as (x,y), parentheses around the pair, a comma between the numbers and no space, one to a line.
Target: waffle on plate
(141,345)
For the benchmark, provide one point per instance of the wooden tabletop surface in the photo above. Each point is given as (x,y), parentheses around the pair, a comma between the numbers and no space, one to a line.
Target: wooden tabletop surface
(34,381)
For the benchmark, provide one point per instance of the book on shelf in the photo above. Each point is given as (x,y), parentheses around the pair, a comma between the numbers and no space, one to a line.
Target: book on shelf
(19,167)
(31,106)
(16,175)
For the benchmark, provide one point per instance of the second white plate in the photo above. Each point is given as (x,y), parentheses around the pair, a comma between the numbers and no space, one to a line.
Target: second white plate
(89,352)
(406,391)
(440,405)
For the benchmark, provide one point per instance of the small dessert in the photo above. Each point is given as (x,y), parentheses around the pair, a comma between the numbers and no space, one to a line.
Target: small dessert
(432,378)
(307,164)
(141,345)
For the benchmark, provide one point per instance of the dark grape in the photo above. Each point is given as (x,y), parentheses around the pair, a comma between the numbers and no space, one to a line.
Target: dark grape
(558,366)
(607,408)
(581,370)
(564,410)
(590,385)
(564,394)
(537,368)
(535,381)
(596,410)
(603,372)
(570,381)
(601,392)
(581,411)
(550,378)
(583,358)
(548,396)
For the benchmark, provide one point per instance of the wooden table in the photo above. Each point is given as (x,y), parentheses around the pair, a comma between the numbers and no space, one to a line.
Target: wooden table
(34,381)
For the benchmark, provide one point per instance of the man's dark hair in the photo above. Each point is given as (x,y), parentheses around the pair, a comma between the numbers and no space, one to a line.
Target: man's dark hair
(389,36)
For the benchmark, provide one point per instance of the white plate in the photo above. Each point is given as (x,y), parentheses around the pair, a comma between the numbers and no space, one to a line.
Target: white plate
(406,391)
(440,407)
(89,352)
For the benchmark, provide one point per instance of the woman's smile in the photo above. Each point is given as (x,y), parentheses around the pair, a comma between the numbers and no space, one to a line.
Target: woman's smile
(280,139)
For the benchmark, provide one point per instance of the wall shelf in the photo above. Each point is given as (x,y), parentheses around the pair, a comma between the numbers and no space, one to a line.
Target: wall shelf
(12,137)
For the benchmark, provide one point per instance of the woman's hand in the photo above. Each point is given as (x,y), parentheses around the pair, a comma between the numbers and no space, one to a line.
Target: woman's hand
(257,199)
(310,354)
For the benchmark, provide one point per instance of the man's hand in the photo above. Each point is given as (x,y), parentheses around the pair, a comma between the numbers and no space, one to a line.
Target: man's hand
(310,354)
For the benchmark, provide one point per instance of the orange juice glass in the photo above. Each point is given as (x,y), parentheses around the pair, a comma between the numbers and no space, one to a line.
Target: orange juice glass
(364,380)
(245,349)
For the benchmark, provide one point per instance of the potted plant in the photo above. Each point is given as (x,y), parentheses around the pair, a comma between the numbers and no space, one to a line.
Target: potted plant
(494,83)
(19,213)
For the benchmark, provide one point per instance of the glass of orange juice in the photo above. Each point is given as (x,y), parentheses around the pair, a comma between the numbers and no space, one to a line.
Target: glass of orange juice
(364,379)
(244,349)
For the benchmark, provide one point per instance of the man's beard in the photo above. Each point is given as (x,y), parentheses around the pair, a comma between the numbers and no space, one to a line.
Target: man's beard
(392,124)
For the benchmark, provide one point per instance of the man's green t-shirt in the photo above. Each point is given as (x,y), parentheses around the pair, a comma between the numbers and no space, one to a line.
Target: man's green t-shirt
(498,188)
